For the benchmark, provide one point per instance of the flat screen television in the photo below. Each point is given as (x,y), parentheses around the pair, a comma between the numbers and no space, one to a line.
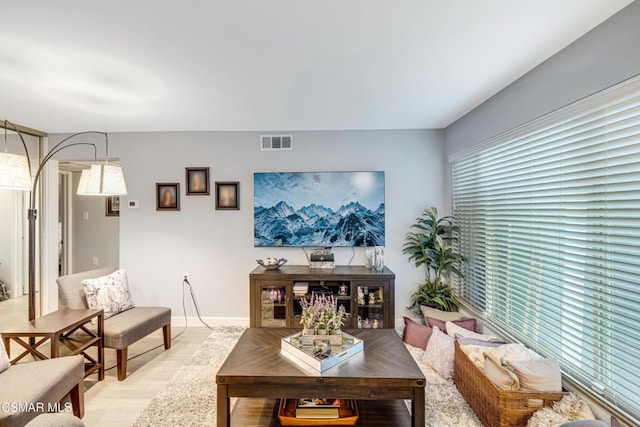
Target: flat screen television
(318,209)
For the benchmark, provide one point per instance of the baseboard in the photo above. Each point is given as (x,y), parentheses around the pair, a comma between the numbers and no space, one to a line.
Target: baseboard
(193,321)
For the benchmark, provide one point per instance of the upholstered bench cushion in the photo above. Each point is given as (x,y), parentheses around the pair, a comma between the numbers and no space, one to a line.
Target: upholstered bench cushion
(45,381)
(57,419)
(127,327)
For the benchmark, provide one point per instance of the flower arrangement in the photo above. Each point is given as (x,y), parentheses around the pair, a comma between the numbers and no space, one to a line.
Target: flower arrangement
(322,312)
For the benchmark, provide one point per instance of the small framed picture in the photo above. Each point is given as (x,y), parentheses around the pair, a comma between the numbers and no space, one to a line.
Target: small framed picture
(167,196)
(197,181)
(227,195)
(112,205)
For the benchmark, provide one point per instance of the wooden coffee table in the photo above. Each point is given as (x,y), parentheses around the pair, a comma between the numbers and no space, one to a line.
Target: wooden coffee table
(383,371)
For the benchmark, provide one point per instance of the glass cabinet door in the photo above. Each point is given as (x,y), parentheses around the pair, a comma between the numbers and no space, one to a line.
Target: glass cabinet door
(370,300)
(273,306)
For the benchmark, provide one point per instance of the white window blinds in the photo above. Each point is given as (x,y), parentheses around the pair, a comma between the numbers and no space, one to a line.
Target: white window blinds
(550,220)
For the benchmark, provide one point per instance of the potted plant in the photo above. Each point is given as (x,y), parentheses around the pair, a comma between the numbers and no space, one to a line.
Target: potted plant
(430,243)
(335,317)
(308,316)
(321,316)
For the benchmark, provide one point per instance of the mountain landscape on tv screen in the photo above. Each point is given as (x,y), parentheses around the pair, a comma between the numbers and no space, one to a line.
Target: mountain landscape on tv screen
(318,208)
(317,225)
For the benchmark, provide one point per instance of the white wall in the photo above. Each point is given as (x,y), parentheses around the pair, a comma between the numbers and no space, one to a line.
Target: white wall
(98,236)
(216,247)
(603,57)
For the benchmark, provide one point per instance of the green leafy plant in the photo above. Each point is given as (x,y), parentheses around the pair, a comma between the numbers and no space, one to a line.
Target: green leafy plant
(430,244)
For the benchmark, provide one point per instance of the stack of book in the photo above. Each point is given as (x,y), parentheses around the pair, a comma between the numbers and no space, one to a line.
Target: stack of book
(318,408)
(300,288)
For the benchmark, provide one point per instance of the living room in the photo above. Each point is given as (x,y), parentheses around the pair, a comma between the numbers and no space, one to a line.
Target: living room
(216,247)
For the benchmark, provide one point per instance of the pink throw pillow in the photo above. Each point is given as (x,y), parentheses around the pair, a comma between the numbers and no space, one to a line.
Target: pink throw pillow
(469,324)
(415,333)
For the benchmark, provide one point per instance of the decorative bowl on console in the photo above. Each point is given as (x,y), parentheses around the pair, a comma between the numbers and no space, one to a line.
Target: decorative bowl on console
(272,263)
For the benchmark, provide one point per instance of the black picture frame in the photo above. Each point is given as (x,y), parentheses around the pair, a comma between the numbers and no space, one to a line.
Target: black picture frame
(227,197)
(167,196)
(197,181)
(112,206)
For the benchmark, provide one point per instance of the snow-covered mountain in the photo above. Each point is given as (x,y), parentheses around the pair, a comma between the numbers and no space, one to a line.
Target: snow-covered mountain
(317,225)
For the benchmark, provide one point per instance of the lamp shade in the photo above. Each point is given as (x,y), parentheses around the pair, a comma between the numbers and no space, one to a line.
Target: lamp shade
(102,180)
(14,172)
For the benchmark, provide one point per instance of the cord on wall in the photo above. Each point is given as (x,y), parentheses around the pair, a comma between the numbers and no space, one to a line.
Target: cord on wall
(353,254)
(195,302)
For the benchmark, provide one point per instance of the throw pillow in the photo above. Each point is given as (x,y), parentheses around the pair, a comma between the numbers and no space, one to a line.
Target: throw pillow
(111,293)
(415,333)
(502,377)
(462,340)
(439,314)
(4,358)
(439,353)
(469,324)
(537,375)
(453,329)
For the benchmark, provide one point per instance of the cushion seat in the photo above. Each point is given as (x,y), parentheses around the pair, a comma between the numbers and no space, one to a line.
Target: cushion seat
(129,326)
(57,419)
(43,383)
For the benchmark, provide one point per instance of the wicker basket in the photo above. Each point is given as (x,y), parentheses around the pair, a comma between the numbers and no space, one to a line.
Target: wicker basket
(494,406)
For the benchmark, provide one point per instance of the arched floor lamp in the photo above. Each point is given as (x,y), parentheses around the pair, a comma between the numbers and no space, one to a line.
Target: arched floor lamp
(15,174)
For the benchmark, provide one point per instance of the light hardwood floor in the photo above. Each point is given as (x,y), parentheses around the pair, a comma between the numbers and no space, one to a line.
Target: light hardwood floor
(119,403)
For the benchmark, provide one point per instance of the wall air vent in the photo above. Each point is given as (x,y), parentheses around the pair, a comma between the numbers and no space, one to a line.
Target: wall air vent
(276,142)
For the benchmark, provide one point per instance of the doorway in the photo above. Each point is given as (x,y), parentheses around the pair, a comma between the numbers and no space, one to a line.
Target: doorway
(89,229)
(65,233)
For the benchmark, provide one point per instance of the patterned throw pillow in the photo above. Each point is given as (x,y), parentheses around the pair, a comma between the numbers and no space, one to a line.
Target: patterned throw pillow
(4,359)
(111,293)
(439,353)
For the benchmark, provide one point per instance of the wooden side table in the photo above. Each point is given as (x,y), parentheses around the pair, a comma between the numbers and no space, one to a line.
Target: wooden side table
(58,328)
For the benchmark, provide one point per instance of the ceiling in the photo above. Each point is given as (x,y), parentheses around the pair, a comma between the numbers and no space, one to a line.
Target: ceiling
(268,65)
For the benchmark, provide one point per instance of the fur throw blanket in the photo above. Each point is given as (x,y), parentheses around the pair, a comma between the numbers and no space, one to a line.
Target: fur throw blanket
(570,408)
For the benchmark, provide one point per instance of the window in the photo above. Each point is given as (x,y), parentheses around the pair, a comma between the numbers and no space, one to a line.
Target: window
(550,219)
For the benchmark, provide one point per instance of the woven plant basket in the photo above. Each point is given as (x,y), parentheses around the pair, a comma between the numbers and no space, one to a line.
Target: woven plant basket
(493,406)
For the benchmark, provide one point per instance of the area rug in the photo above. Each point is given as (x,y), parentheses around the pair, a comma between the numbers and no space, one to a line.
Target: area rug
(189,398)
